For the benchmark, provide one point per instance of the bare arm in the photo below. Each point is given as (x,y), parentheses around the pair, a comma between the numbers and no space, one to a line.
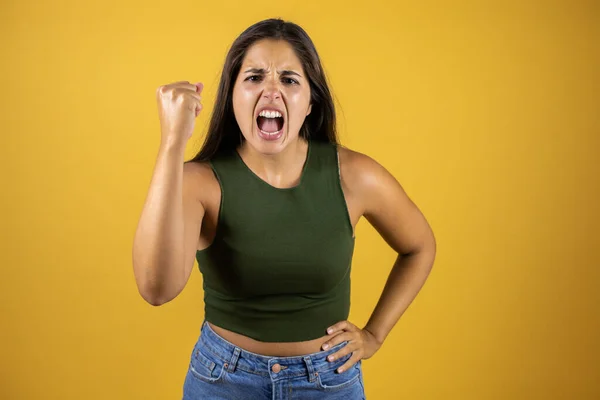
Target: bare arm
(167,234)
(385,204)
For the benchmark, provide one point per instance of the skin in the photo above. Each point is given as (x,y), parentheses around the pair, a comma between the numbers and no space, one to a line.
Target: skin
(272,76)
(369,189)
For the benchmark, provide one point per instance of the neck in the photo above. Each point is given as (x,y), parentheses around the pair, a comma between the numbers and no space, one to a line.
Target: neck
(283,169)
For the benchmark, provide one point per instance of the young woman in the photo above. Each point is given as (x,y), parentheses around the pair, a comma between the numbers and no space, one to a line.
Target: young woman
(268,208)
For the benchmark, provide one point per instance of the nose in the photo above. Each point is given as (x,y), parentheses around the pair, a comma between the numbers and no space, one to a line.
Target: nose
(271,90)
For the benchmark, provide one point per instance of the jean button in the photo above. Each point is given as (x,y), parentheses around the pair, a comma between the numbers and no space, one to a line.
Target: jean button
(276,368)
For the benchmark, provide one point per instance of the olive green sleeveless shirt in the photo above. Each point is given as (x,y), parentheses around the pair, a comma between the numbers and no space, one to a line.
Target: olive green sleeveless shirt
(278,269)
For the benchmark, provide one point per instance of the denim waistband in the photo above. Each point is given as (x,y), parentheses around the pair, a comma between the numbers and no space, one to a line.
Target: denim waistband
(235,357)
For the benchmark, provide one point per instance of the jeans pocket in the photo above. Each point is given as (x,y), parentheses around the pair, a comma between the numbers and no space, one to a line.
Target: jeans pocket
(206,366)
(331,380)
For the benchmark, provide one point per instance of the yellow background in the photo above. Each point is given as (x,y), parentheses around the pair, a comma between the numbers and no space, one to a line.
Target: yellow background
(488,115)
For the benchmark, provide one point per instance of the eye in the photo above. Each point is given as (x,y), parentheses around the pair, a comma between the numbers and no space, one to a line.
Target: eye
(290,81)
(253,78)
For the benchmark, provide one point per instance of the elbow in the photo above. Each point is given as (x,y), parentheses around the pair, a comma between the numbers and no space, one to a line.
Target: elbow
(428,244)
(156,302)
(424,252)
(154,299)
(153,296)
(431,246)
(429,249)
(152,289)
(154,285)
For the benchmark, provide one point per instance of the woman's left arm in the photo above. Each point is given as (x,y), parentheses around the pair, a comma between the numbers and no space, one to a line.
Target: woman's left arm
(383,202)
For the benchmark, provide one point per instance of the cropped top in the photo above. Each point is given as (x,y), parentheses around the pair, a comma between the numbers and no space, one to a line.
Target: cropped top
(278,269)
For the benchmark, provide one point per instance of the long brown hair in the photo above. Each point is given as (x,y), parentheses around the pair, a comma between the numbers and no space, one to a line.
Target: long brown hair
(224,133)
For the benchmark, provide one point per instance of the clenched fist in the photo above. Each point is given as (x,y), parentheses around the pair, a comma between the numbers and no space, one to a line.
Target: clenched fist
(178,107)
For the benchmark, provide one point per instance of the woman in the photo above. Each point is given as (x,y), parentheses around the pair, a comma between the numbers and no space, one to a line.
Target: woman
(268,208)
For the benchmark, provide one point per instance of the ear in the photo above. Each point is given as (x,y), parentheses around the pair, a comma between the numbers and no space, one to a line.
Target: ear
(309,109)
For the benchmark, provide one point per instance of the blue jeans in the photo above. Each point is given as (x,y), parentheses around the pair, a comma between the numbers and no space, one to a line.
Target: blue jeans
(220,370)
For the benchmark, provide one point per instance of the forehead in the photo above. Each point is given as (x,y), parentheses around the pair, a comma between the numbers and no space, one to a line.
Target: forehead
(268,53)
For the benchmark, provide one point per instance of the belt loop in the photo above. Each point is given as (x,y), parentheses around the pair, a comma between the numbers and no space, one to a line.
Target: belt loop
(234,359)
(312,374)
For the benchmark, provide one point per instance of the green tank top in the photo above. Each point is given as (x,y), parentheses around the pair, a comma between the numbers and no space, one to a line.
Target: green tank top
(278,269)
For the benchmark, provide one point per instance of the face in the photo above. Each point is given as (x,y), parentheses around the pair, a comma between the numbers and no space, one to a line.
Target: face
(271,96)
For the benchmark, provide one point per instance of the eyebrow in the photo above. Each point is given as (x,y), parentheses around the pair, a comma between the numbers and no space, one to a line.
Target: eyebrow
(262,71)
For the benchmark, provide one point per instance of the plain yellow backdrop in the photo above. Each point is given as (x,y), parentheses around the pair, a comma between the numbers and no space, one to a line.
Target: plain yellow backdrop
(486,112)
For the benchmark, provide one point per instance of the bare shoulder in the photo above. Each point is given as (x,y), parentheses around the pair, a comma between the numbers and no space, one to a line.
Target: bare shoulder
(361,172)
(199,180)
(197,168)
(384,202)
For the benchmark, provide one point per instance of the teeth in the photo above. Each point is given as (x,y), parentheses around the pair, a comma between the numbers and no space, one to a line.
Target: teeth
(270,114)
(270,133)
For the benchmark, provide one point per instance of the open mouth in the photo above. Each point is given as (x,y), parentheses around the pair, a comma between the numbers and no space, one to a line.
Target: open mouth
(270,123)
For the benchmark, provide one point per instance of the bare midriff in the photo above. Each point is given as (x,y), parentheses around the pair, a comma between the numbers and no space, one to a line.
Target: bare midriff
(272,349)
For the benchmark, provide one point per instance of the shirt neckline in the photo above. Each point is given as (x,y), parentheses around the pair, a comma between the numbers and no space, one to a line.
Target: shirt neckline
(302,175)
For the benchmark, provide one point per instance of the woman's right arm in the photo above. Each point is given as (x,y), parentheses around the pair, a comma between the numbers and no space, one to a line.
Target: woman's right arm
(167,234)
(168,230)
